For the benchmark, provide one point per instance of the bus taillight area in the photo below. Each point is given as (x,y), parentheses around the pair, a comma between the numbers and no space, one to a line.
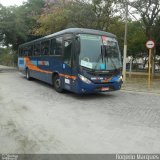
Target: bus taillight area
(113,84)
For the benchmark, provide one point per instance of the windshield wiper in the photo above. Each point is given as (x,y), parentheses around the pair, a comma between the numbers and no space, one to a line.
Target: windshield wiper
(115,67)
(101,55)
(106,54)
(88,69)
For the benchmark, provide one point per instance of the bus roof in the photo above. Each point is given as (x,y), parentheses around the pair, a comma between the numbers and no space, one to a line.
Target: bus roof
(74,31)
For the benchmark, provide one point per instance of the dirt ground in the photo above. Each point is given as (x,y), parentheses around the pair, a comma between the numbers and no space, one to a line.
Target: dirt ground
(36,119)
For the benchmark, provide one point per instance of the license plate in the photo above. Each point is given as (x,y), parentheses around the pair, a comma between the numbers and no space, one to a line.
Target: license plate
(105,89)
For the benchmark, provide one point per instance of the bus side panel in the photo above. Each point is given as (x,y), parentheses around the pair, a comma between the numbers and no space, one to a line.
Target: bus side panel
(44,67)
(55,64)
(50,64)
(37,72)
(65,72)
(46,77)
(21,64)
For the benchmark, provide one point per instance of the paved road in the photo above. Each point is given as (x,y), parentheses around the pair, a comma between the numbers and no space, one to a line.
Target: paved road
(7,69)
(36,119)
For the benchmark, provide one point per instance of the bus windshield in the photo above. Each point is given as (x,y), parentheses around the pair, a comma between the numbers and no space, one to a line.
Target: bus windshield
(91,55)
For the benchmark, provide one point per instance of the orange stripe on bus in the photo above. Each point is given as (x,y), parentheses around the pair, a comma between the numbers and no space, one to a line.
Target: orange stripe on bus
(68,76)
(35,68)
(107,80)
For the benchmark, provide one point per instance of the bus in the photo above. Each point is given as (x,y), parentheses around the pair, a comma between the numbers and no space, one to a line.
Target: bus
(76,59)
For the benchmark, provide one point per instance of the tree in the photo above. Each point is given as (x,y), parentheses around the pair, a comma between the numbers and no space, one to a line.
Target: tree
(17,22)
(81,14)
(156,34)
(136,39)
(55,19)
(149,11)
(136,36)
(104,11)
(95,14)
(117,21)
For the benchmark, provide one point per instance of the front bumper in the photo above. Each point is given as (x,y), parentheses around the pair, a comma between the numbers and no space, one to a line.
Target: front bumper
(93,88)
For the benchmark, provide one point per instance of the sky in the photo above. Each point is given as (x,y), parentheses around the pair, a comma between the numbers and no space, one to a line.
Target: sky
(12,2)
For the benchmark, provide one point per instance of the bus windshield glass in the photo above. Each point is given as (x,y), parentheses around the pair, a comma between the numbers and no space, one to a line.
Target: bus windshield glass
(99,52)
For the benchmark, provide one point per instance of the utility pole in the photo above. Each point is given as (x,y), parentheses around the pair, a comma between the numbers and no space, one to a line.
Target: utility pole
(125,41)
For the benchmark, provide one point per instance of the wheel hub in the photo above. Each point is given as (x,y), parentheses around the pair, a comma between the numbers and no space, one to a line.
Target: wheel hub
(57,83)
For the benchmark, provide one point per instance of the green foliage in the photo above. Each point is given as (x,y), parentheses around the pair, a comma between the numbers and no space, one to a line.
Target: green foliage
(136,36)
(81,15)
(17,22)
(156,35)
(104,13)
(35,18)
(96,15)
(8,57)
(149,11)
(2,50)
(117,28)
(136,39)
(53,21)
(12,27)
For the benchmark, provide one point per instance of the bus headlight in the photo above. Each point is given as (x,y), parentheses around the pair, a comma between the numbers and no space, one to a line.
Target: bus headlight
(84,79)
(120,79)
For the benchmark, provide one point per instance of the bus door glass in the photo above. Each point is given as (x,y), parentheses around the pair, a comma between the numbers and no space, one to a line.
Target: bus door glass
(67,56)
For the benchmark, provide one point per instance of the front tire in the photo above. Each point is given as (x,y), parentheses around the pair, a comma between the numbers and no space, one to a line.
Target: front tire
(57,84)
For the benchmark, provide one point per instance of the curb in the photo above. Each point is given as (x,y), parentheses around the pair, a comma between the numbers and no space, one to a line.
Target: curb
(3,70)
(142,91)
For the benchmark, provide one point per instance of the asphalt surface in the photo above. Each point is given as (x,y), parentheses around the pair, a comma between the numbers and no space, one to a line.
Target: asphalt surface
(36,119)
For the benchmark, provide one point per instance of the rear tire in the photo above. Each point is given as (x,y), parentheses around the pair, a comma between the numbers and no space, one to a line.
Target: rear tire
(28,74)
(57,84)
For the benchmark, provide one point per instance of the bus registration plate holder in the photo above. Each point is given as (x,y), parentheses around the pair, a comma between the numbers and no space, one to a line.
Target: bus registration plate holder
(105,89)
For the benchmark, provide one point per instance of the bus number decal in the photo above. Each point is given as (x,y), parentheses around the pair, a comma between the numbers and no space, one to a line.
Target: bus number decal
(43,63)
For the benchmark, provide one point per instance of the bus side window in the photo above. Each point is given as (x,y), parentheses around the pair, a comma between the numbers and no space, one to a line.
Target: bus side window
(29,48)
(25,52)
(67,51)
(53,46)
(59,42)
(32,48)
(37,49)
(56,46)
(45,47)
(20,52)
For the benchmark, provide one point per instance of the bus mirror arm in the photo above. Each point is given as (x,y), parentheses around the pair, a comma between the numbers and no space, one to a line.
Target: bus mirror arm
(77,46)
(103,52)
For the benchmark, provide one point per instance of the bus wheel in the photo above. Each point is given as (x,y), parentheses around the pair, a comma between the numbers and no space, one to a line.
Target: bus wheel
(28,74)
(57,84)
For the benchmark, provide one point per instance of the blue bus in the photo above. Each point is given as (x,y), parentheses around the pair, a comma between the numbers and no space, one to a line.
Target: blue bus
(76,59)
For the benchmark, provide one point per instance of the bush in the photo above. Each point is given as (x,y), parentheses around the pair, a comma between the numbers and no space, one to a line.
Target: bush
(8,58)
